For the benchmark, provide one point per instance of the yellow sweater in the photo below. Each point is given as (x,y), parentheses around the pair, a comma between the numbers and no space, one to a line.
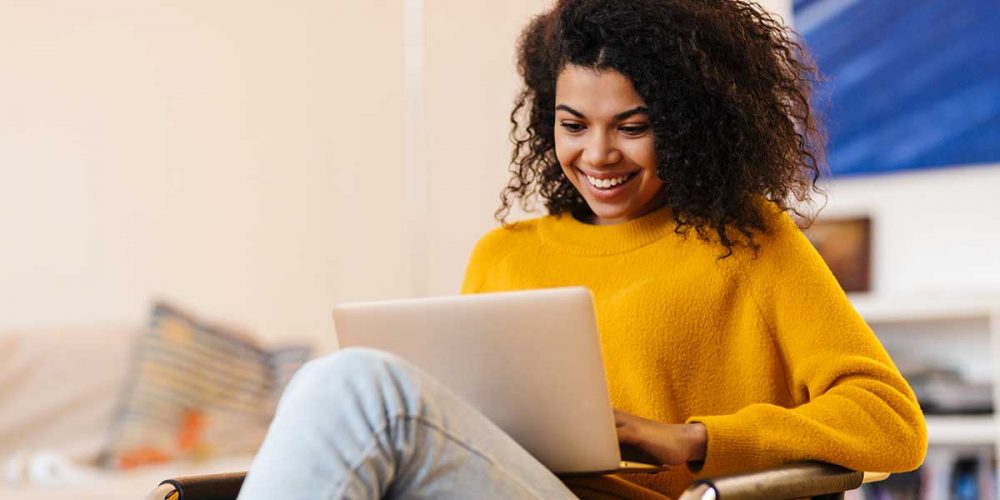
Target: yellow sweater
(766,352)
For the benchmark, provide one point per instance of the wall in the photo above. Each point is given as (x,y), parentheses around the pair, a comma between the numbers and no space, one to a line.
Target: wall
(260,163)
(239,157)
(470,81)
(935,232)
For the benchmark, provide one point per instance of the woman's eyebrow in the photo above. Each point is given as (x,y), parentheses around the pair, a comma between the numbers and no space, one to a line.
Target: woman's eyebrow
(570,111)
(638,110)
(620,116)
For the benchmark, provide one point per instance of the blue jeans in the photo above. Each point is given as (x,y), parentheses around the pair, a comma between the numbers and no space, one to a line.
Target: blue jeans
(363,423)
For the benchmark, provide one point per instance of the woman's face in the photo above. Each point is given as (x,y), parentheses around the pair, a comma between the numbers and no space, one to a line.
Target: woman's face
(604,144)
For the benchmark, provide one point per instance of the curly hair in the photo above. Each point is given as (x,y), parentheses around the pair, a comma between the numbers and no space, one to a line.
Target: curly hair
(728,92)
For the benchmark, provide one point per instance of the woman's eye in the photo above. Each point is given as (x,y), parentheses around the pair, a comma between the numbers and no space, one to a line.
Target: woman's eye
(634,129)
(572,127)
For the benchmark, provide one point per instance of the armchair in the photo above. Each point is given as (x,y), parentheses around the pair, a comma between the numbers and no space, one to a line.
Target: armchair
(797,480)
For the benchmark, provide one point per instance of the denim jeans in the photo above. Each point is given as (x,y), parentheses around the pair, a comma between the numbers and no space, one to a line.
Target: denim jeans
(363,423)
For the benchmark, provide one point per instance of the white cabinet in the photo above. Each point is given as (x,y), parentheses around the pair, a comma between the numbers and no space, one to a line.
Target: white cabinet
(959,333)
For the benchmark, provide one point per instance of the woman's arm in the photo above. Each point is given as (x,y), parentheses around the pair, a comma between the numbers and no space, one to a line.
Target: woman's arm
(851,407)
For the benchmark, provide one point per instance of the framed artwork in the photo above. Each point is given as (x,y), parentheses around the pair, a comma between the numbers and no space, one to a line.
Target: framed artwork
(906,84)
(845,245)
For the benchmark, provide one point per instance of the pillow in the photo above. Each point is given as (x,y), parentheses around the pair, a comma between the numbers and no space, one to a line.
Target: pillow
(196,391)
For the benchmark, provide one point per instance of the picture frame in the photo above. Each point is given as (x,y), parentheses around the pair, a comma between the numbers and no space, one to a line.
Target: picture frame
(845,245)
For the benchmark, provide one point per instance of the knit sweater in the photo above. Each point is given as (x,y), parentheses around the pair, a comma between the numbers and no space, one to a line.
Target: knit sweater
(763,347)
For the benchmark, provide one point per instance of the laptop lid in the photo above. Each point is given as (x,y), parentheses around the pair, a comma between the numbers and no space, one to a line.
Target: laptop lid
(528,360)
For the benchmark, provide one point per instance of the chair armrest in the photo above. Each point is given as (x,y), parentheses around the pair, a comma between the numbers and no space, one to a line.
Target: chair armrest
(204,487)
(797,480)
(789,481)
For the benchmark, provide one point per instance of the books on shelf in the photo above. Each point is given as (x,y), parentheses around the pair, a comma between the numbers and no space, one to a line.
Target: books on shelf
(947,474)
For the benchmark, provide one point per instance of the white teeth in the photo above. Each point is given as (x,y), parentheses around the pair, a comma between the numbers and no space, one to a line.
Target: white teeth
(606,183)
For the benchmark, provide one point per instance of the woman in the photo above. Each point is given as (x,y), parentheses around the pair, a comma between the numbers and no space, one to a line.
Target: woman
(666,139)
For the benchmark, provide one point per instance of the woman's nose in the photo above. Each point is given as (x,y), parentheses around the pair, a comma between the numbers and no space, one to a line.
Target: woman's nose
(600,150)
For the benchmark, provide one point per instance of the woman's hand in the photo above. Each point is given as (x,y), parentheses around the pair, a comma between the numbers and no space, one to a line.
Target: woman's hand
(671,444)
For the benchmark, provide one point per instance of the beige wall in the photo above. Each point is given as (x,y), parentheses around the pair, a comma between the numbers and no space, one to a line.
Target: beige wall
(257,162)
(241,157)
(471,82)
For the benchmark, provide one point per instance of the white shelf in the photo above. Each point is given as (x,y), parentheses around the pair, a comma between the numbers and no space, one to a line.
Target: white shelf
(886,309)
(961,430)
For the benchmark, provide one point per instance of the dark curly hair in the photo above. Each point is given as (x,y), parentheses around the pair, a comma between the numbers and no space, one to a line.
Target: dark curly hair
(728,91)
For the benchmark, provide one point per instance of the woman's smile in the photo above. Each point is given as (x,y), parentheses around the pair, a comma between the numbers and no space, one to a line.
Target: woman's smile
(608,187)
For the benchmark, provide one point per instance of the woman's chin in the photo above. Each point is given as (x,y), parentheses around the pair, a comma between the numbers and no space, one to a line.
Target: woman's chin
(604,216)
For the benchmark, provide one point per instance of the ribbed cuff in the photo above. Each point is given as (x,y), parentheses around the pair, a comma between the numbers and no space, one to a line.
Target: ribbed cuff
(734,445)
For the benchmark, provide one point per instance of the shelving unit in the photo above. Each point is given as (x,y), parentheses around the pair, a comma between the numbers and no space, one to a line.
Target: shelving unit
(962,430)
(961,333)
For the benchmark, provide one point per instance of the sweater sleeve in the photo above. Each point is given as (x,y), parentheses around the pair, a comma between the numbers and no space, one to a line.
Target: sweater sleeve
(853,408)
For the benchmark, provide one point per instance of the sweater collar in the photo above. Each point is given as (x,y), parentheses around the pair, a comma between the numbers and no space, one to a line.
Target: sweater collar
(569,234)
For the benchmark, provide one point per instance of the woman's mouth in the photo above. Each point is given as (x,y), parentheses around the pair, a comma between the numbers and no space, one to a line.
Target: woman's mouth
(609,183)
(605,189)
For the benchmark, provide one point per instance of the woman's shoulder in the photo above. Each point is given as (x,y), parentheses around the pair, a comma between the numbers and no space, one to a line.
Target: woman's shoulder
(511,233)
(782,248)
(505,238)
(495,246)
(781,231)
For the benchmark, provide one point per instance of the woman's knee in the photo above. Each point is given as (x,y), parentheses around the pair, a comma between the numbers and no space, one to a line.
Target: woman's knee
(353,363)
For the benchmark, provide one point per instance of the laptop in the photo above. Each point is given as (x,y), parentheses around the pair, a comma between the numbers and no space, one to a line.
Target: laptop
(530,361)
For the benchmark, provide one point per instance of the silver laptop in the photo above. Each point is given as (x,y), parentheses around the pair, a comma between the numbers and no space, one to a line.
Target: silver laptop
(530,361)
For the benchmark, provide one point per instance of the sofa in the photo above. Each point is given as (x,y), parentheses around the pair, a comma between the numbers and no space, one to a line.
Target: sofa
(61,391)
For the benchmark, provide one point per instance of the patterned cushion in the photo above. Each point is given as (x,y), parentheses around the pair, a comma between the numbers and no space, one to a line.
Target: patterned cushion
(196,391)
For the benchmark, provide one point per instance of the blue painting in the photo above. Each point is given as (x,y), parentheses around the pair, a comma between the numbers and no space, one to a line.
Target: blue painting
(909,84)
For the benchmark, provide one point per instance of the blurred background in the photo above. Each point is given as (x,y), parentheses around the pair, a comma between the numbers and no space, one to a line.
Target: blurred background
(250,164)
